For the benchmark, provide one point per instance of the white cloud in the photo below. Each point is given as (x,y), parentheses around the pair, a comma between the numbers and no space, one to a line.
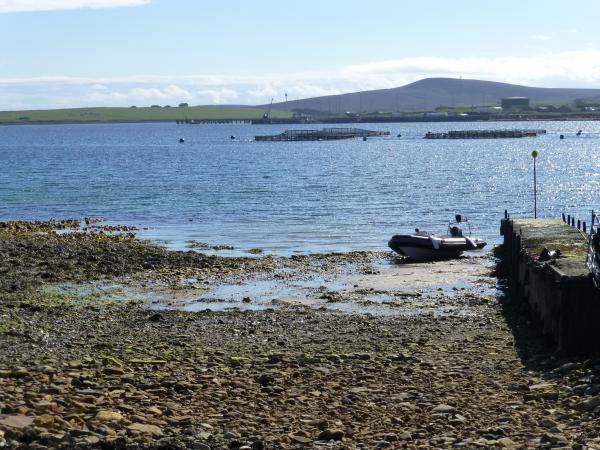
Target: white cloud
(311,89)
(173,91)
(552,69)
(147,94)
(8,6)
(265,91)
(111,96)
(218,96)
(566,69)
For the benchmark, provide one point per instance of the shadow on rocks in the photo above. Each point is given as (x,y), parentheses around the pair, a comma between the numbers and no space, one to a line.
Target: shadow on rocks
(576,376)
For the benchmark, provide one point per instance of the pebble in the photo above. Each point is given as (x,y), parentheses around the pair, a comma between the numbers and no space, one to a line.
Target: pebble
(92,440)
(154,411)
(44,421)
(301,440)
(17,421)
(329,434)
(230,435)
(405,436)
(554,438)
(590,404)
(146,429)
(114,371)
(506,442)
(443,409)
(156,317)
(108,416)
(548,423)
(200,446)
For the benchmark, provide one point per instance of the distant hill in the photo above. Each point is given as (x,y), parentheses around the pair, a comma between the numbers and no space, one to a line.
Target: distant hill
(431,93)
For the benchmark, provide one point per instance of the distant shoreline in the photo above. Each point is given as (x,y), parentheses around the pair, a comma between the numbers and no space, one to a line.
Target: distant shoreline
(326,120)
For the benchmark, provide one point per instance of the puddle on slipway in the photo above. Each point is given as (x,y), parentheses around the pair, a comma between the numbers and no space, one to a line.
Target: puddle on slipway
(443,288)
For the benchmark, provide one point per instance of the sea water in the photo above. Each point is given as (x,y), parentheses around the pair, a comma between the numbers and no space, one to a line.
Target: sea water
(287,197)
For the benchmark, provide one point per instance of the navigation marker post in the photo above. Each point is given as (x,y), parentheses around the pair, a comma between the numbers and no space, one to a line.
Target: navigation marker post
(534,155)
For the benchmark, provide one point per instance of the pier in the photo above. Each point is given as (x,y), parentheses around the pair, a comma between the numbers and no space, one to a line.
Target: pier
(213,121)
(326,134)
(558,290)
(484,134)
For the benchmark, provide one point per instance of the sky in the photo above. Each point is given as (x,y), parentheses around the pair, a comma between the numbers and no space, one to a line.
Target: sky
(83,53)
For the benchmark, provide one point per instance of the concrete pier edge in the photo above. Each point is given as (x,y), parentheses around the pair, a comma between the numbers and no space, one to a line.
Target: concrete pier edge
(559,291)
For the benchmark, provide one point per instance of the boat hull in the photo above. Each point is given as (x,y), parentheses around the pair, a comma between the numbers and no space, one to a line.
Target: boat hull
(425,247)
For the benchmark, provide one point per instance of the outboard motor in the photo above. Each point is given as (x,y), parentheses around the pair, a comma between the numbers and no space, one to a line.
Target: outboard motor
(458,218)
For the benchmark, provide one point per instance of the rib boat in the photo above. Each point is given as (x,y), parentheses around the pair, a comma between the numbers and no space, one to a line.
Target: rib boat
(424,246)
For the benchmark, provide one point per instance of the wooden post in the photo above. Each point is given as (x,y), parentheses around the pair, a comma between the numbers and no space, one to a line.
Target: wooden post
(569,219)
(573,222)
(564,218)
(584,227)
(578,224)
(506,214)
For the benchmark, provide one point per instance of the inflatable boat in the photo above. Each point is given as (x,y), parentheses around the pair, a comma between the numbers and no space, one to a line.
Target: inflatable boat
(423,246)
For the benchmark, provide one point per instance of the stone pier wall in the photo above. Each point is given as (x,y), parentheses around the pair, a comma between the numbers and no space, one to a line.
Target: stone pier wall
(560,290)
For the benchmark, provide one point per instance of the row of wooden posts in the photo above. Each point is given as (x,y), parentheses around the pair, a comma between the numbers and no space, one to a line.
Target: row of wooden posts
(571,221)
(580,225)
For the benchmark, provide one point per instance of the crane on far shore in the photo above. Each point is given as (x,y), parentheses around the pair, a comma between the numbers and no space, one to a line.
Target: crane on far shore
(267,115)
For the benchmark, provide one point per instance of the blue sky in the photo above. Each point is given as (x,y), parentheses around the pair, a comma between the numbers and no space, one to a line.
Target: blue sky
(70,53)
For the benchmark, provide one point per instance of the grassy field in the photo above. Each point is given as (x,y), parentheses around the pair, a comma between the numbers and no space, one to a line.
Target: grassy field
(83,115)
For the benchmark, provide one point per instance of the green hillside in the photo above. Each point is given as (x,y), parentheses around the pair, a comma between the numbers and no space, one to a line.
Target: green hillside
(82,115)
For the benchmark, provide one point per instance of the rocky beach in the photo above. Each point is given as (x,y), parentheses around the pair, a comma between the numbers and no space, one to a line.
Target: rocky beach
(108,341)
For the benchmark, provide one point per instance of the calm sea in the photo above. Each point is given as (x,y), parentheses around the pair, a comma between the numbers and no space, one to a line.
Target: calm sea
(287,197)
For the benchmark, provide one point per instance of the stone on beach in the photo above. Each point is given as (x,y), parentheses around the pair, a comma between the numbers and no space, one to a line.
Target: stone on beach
(16,421)
(443,409)
(109,416)
(146,429)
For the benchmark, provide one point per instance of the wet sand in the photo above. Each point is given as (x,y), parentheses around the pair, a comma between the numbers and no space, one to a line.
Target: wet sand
(109,342)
